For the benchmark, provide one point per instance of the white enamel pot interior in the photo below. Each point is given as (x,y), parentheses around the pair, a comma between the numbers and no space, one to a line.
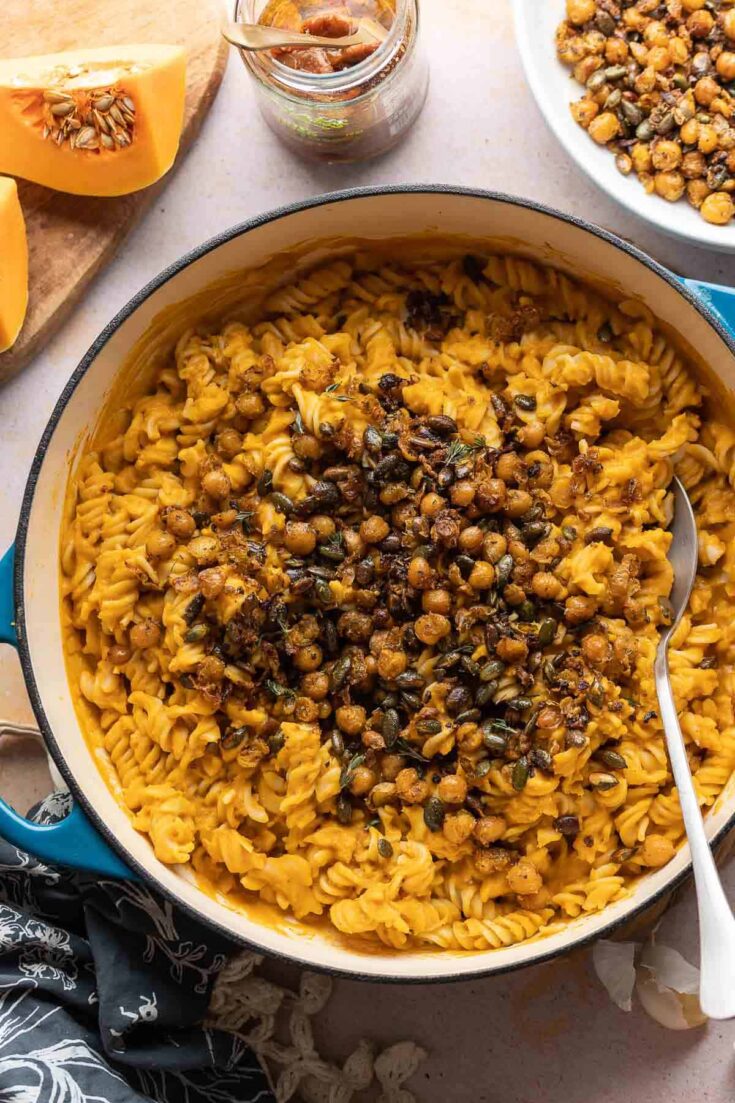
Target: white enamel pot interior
(522,227)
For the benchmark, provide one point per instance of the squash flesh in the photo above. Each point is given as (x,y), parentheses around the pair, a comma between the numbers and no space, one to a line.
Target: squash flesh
(52,132)
(13,264)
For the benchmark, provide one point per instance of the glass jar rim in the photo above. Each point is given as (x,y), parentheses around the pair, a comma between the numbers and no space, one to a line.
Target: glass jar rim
(296,80)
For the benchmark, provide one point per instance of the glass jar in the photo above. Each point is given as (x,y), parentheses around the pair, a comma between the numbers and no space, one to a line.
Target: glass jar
(352,114)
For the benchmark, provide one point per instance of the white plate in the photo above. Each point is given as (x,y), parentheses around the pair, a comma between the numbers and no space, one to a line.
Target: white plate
(554,88)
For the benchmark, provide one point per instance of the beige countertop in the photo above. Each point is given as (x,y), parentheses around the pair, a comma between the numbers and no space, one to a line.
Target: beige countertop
(547,1034)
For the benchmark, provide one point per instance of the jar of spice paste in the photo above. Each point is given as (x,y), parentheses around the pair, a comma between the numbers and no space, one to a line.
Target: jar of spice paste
(343,104)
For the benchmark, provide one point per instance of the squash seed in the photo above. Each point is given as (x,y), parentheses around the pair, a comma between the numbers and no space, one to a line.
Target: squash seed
(61,109)
(104,103)
(51,96)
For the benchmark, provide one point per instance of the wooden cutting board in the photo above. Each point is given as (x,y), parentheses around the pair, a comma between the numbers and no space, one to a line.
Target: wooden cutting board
(71,237)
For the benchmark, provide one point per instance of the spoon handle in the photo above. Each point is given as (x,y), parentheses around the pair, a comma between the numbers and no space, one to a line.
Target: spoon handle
(255,36)
(716,922)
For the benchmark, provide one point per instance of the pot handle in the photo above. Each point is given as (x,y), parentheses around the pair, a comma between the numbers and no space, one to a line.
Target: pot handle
(718,298)
(72,841)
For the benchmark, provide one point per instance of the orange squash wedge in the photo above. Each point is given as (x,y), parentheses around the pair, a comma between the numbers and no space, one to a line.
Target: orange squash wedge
(13,264)
(101,121)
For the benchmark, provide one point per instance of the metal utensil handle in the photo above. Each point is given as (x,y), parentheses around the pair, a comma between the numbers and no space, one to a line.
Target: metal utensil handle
(72,841)
(716,922)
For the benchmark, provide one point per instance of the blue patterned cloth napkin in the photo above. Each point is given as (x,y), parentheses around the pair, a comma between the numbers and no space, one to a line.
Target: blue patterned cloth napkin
(103,990)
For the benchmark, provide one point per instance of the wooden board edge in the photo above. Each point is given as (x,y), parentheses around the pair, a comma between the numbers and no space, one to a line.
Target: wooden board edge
(20,355)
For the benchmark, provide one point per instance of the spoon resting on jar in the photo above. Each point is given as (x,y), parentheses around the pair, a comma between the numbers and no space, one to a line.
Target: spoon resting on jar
(716,922)
(254,37)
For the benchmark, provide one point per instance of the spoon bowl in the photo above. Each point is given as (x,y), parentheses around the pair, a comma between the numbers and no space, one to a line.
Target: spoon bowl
(254,37)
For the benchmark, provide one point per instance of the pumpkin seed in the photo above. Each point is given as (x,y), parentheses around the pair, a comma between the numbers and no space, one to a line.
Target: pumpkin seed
(64,108)
(567,825)
(233,738)
(520,774)
(105,102)
(613,759)
(602,782)
(495,741)
(344,808)
(391,726)
(423,727)
(434,813)
(196,633)
(385,850)
(492,670)
(546,631)
(52,96)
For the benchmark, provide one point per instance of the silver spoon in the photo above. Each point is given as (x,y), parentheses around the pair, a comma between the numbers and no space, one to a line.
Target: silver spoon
(253,36)
(716,922)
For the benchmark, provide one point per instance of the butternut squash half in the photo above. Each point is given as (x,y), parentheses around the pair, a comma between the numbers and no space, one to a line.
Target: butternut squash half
(13,264)
(101,121)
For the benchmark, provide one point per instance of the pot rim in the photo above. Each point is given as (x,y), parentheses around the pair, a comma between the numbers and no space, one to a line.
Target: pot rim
(484,967)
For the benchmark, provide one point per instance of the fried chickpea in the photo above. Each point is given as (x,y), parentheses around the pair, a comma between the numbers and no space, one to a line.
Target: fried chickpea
(204,549)
(471,539)
(229,443)
(494,546)
(718,208)
(482,576)
(315,685)
(452,789)
(457,826)
(212,582)
(697,192)
(689,135)
(510,467)
(351,719)
(308,658)
(462,493)
(493,860)
(669,185)
(145,634)
(524,879)
(581,11)
(306,447)
(666,155)
(431,504)
(216,483)
(299,538)
(513,594)
(725,65)
(616,51)
(641,157)
(700,23)
(250,405)
(705,90)
(391,663)
(596,649)
(420,573)
(708,139)
(305,710)
(374,529)
(160,545)
(532,434)
(410,787)
(436,601)
(363,780)
(656,851)
(510,650)
(432,627)
(180,523)
(604,128)
(391,766)
(549,717)
(728,24)
(488,829)
(212,669)
(547,586)
(579,608)
(491,495)
(119,654)
(693,164)
(383,793)
(584,111)
(519,502)
(323,526)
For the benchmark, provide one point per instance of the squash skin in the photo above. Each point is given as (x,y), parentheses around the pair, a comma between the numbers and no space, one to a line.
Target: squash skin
(13,264)
(157,89)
